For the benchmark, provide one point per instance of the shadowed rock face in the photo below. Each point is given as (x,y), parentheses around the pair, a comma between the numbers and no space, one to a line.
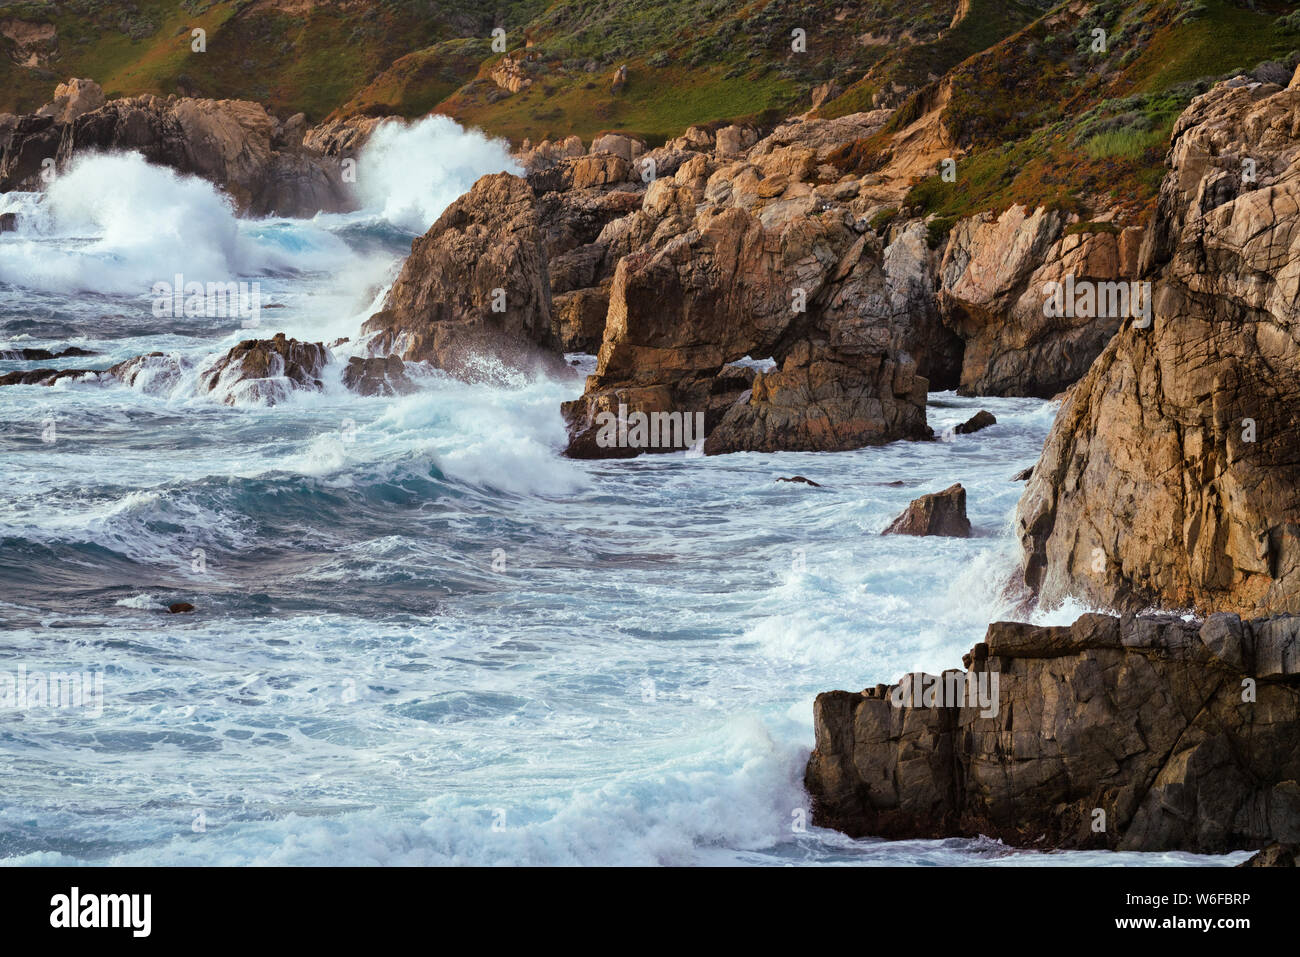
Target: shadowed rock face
(941,513)
(1146,719)
(258,160)
(474,288)
(1171,474)
(993,279)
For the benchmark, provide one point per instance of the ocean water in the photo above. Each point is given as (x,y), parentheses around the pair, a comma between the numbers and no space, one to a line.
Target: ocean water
(423,636)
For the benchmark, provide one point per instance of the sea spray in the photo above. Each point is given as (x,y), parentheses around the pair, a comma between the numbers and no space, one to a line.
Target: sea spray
(410,173)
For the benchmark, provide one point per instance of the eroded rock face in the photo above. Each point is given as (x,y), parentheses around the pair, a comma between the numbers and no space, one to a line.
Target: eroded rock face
(995,278)
(475,288)
(940,513)
(1170,476)
(1146,720)
(749,252)
(73,99)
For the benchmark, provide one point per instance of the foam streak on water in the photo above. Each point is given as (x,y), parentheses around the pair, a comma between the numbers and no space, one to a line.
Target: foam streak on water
(423,636)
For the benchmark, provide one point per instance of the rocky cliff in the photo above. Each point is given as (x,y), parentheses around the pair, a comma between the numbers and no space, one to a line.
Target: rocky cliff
(1171,474)
(760,247)
(1143,734)
(260,161)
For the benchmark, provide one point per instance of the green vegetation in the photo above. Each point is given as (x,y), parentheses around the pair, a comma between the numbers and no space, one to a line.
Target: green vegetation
(1047,120)
(1037,113)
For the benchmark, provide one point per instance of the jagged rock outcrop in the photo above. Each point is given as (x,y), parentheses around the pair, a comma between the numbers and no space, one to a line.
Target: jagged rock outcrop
(73,99)
(265,371)
(235,144)
(939,513)
(1142,734)
(1170,476)
(995,281)
(474,288)
(761,249)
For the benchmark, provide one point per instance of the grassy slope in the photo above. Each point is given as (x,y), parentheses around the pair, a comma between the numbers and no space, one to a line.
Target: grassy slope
(1039,117)
(690,61)
(1046,121)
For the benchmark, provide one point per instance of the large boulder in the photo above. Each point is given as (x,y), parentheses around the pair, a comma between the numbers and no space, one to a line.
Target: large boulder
(265,371)
(1170,476)
(475,290)
(939,513)
(1140,734)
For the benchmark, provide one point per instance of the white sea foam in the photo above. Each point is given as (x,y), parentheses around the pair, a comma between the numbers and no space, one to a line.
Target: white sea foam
(410,172)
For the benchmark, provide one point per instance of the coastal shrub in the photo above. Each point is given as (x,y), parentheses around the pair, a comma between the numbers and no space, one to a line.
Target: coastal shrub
(937,229)
(880,222)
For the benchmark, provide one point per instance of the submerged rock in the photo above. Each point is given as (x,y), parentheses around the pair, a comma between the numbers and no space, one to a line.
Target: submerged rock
(180,608)
(800,478)
(940,513)
(1140,733)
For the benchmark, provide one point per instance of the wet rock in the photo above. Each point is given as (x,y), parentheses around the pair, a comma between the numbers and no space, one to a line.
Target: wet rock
(475,290)
(379,375)
(1023,475)
(800,478)
(8,222)
(180,608)
(980,420)
(50,376)
(940,513)
(42,355)
(265,371)
(1275,855)
(1122,733)
(264,165)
